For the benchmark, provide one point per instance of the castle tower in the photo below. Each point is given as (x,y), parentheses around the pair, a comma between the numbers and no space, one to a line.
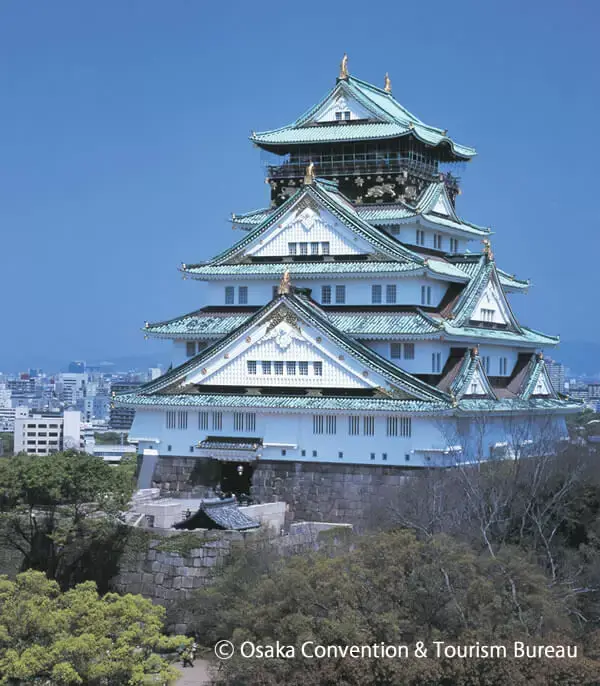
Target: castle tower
(359,326)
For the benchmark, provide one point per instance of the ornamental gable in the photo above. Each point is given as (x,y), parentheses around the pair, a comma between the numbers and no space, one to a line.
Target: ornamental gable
(308,229)
(341,107)
(283,350)
(492,306)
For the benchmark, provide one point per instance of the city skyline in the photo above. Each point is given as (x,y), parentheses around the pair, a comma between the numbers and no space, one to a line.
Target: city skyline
(114,175)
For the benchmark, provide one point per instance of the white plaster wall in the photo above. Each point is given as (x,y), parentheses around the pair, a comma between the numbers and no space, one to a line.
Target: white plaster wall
(293,433)
(423,351)
(358,291)
(408,234)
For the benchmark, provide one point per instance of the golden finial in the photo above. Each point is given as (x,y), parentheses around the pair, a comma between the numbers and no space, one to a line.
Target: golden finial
(388,84)
(309,175)
(285,284)
(541,355)
(487,249)
(344,68)
(474,351)
(454,400)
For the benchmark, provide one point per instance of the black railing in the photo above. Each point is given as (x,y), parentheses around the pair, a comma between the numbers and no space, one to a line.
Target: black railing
(359,164)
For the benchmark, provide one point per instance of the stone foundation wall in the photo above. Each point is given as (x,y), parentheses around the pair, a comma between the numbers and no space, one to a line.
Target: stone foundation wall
(357,494)
(183,475)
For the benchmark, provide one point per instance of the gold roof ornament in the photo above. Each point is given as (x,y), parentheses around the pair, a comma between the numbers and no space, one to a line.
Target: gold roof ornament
(344,68)
(309,175)
(285,285)
(487,249)
(454,400)
(388,83)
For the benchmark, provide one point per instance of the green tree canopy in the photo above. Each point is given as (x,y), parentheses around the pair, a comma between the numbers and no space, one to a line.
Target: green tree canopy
(78,637)
(61,511)
(391,588)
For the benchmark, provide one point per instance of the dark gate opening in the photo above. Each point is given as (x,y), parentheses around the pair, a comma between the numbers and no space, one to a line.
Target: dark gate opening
(236,478)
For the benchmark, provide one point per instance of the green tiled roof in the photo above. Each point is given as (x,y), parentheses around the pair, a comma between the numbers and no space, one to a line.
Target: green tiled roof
(387,119)
(381,213)
(282,402)
(470,364)
(307,269)
(537,368)
(518,405)
(199,325)
(308,311)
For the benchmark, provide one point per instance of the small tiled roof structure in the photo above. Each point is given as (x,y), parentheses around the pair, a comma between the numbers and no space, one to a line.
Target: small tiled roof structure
(218,513)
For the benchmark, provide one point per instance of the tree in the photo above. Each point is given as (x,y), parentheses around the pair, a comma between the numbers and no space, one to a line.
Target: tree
(78,637)
(61,512)
(395,589)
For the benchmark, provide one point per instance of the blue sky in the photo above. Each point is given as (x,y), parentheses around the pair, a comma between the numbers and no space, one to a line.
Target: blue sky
(124,150)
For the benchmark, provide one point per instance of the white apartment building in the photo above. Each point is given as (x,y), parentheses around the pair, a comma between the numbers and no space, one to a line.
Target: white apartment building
(43,433)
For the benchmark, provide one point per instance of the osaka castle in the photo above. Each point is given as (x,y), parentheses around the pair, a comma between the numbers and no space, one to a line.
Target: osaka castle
(359,320)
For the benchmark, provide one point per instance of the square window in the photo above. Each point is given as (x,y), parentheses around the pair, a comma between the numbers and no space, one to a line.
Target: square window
(318,368)
(338,116)
(251,364)
(190,348)
(292,248)
(340,455)
(278,368)
(340,295)
(347,116)
(326,295)
(229,295)
(290,368)
(407,457)
(266,367)
(384,456)
(303,453)
(314,453)
(191,448)
(314,248)
(396,351)
(325,248)
(376,295)
(168,448)
(304,248)
(390,294)
(372,456)
(283,453)
(303,368)
(409,351)
(243,295)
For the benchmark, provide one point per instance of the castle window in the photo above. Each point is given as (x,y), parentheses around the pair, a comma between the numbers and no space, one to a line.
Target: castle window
(325,247)
(326,295)
(290,368)
(314,248)
(303,368)
(330,424)
(372,456)
(304,248)
(369,425)
(409,351)
(243,295)
(251,364)
(454,245)
(217,421)
(318,368)
(436,363)
(341,455)
(340,295)
(292,248)
(384,456)
(266,367)
(425,295)
(314,453)
(229,295)
(437,241)
(182,419)
(190,348)
(487,315)
(203,421)
(390,294)
(275,291)
(238,421)
(398,426)
(503,366)
(343,115)
(354,425)
(191,448)
(250,421)
(376,295)
(171,419)
(485,361)
(420,237)
(278,367)
(317,424)
(396,351)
